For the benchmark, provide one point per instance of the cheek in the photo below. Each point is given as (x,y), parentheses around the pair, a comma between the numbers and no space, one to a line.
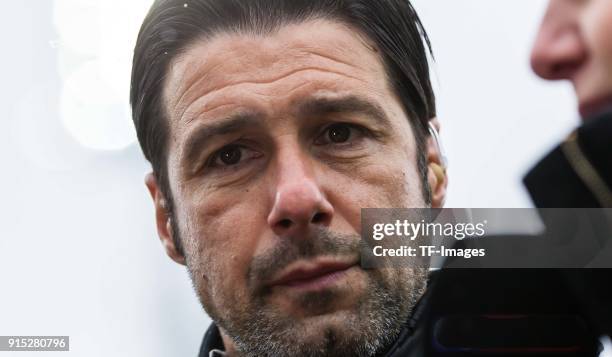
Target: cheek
(390,183)
(221,235)
(598,24)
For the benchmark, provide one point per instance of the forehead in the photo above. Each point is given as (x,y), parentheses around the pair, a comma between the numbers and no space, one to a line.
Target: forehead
(321,54)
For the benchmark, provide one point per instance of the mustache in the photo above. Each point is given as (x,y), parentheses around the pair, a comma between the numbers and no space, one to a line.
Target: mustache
(318,242)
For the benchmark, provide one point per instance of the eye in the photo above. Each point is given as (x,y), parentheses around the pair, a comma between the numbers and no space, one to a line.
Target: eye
(231,155)
(339,133)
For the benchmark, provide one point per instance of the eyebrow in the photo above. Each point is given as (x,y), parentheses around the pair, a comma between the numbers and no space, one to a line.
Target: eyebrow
(201,136)
(307,108)
(320,106)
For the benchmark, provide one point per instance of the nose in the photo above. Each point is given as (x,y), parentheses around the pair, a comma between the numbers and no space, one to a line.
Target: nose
(299,200)
(559,49)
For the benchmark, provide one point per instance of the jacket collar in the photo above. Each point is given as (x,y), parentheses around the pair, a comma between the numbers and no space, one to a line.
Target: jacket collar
(212,344)
(577,173)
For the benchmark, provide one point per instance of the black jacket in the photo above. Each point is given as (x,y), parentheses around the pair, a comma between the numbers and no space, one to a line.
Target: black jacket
(578,173)
(503,312)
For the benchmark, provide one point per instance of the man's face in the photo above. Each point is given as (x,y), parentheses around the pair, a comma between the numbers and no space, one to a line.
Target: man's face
(276,142)
(574,43)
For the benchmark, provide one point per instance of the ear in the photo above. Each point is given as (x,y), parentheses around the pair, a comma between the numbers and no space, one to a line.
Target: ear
(436,171)
(163,219)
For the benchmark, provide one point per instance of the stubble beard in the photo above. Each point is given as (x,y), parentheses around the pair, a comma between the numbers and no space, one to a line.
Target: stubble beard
(259,328)
(367,329)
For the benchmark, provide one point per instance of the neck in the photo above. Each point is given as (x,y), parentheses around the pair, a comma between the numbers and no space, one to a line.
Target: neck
(228,343)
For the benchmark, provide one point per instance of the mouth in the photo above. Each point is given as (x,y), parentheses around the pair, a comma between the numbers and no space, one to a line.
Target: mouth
(593,107)
(312,276)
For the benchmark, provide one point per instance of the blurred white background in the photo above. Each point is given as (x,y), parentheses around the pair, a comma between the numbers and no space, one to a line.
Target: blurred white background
(79,255)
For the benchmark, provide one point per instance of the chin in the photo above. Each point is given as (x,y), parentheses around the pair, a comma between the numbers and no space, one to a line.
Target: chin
(339,327)
(341,321)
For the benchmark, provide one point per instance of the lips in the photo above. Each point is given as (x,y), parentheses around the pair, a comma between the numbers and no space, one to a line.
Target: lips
(312,275)
(590,108)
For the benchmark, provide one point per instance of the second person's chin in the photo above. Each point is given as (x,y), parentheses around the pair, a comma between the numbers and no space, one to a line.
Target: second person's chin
(591,108)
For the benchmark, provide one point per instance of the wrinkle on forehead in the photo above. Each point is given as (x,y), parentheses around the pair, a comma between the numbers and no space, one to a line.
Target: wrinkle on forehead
(284,76)
(220,62)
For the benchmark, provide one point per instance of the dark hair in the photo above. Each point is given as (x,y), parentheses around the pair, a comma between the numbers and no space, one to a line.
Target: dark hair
(171,26)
